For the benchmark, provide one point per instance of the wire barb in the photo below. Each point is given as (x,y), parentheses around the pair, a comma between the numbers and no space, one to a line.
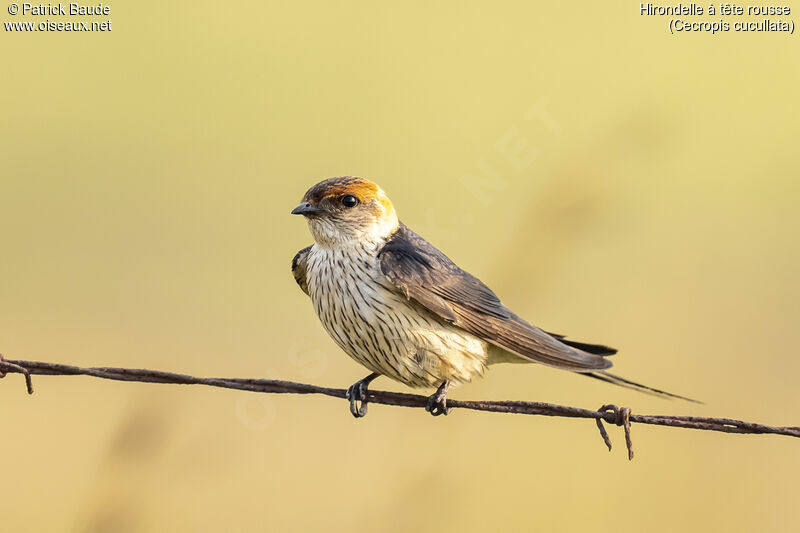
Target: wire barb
(608,413)
(8,366)
(622,417)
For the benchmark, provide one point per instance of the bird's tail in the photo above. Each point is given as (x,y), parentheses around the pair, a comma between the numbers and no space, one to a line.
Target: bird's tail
(622,382)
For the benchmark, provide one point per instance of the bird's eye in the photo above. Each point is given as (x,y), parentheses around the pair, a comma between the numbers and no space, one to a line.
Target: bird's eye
(349,200)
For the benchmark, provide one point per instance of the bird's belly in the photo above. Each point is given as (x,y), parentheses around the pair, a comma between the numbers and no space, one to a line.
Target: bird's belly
(389,334)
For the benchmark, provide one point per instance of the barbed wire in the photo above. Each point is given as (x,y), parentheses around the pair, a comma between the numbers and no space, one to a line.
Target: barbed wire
(611,414)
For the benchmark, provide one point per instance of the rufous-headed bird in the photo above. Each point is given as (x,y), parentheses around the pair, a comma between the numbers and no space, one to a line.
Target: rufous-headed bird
(400,307)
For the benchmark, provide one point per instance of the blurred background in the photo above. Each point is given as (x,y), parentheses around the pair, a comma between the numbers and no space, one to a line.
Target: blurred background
(609,180)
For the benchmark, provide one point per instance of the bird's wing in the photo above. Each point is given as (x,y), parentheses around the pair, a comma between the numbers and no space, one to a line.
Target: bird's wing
(426,275)
(299,268)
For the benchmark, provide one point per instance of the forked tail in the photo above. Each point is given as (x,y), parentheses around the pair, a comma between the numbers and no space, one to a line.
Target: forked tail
(622,382)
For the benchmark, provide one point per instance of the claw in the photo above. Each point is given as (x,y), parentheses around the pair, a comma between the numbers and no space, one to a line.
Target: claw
(357,393)
(437,402)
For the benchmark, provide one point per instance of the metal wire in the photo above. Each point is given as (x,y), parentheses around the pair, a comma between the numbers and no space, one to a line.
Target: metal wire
(607,413)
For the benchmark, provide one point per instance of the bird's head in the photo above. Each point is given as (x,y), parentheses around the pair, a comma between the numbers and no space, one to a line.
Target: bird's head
(347,210)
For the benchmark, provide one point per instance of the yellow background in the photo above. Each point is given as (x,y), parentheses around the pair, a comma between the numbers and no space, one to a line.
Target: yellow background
(609,180)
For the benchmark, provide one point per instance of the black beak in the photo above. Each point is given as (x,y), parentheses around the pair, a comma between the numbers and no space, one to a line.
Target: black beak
(305,209)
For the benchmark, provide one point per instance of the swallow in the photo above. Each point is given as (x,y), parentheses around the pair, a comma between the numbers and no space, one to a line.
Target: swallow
(401,308)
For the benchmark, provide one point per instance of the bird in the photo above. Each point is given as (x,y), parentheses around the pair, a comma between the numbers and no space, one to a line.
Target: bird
(401,308)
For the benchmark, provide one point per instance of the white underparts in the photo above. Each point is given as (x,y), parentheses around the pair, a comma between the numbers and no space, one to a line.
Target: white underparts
(383,330)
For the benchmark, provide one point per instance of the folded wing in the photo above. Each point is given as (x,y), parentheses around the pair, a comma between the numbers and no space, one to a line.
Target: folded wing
(299,268)
(426,275)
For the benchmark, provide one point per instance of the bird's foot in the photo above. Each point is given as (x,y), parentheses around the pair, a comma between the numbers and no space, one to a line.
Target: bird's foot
(357,393)
(437,402)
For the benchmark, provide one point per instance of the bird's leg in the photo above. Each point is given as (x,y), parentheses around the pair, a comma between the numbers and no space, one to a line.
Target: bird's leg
(437,402)
(358,393)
